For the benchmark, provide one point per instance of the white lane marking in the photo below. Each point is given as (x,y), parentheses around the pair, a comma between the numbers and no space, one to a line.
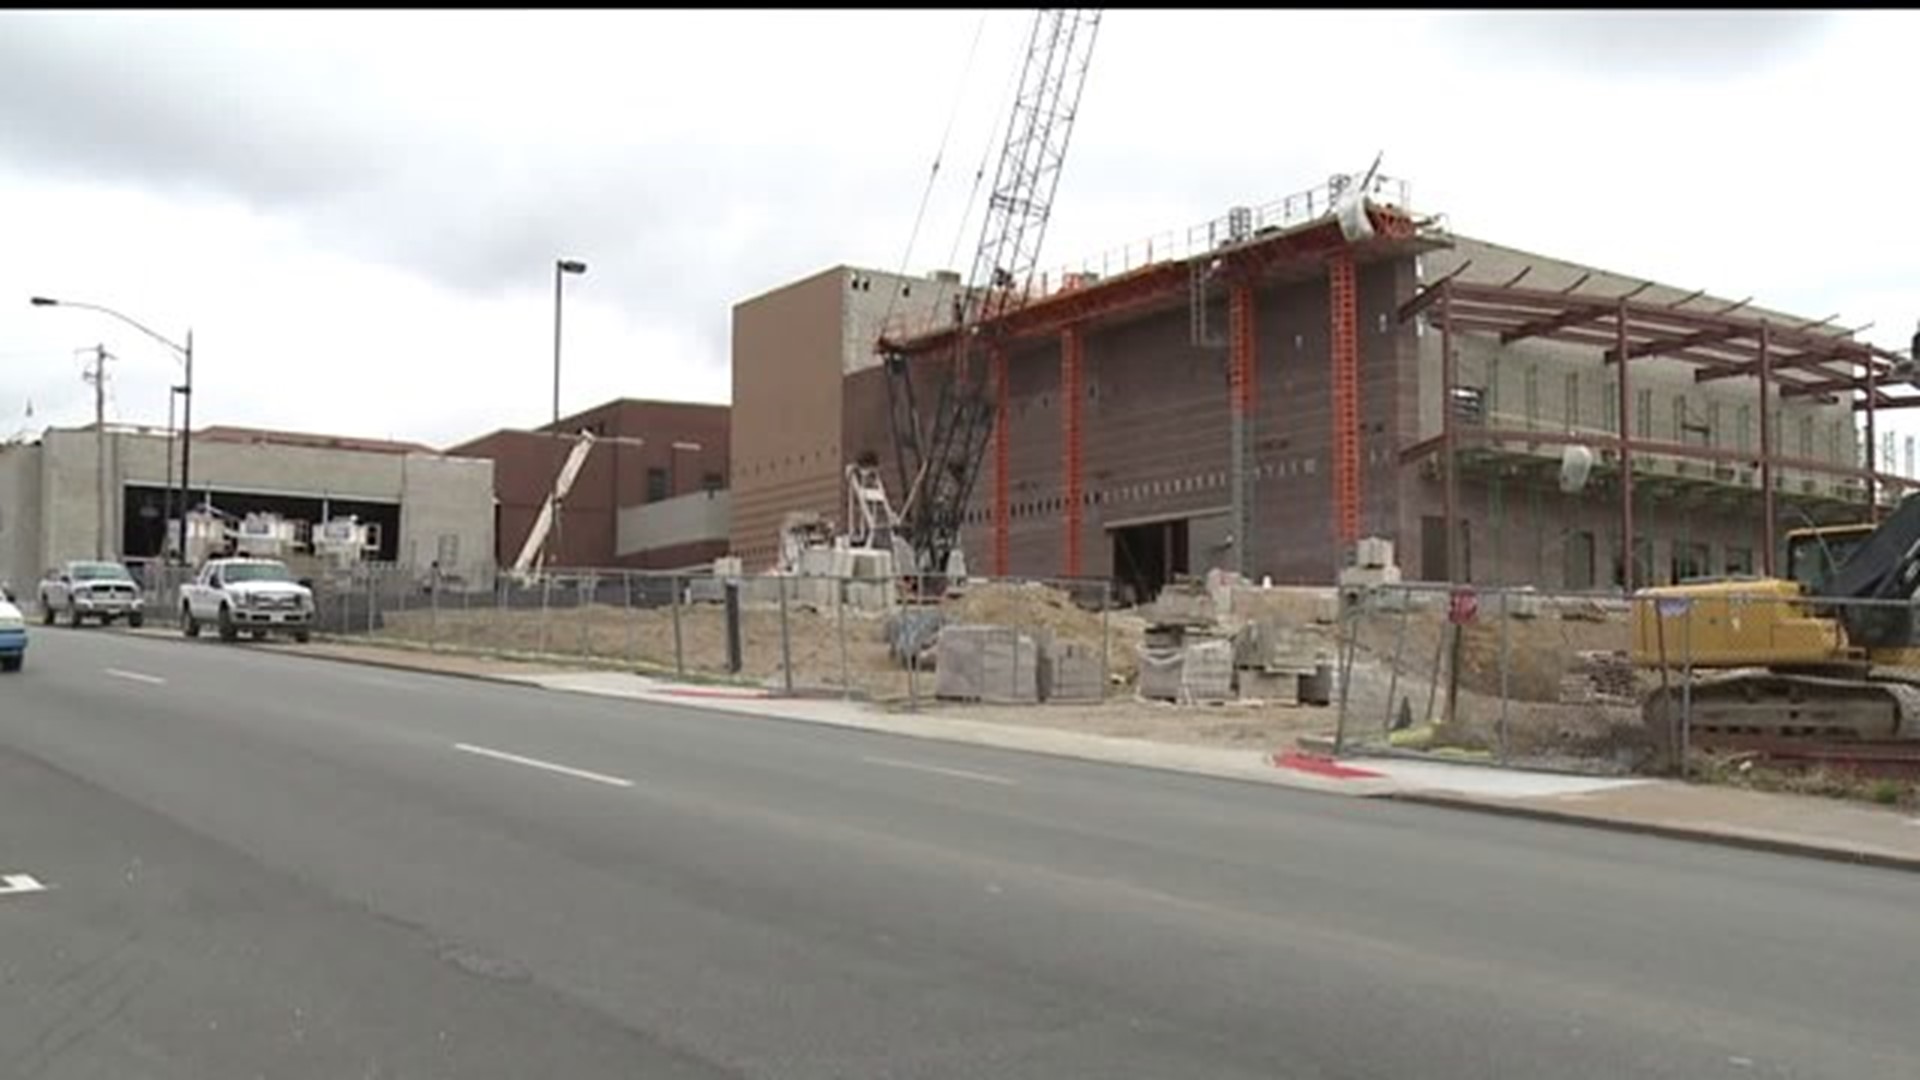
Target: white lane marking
(152,680)
(564,770)
(963,774)
(14,884)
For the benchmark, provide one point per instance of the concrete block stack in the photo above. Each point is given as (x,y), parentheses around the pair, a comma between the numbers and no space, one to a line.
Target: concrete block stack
(1599,678)
(989,664)
(1071,672)
(1273,664)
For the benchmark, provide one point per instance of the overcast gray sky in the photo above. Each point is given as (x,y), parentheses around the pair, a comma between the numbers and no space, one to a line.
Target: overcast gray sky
(358,213)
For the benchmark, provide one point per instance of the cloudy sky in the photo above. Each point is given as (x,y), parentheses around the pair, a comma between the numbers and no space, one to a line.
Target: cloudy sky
(358,213)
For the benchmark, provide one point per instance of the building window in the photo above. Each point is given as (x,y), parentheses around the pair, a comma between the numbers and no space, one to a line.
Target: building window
(1743,428)
(1739,561)
(1493,390)
(1643,414)
(1689,562)
(1532,393)
(656,484)
(1578,570)
(1806,437)
(1713,423)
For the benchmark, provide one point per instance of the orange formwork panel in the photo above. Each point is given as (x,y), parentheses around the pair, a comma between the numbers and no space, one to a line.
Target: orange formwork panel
(1002,406)
(1345,355)
(1072,358)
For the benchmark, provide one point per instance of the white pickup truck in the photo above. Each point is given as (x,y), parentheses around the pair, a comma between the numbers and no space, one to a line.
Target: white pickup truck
(258,596)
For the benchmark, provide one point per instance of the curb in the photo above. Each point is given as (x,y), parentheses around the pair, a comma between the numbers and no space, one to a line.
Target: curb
(1882,860)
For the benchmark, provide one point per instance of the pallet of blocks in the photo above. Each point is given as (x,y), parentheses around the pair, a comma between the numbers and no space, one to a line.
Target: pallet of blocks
(989,664)
(1274,666)
(1071,671)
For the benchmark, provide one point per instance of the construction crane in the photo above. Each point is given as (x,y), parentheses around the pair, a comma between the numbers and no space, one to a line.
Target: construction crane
(939,462)
(537,536)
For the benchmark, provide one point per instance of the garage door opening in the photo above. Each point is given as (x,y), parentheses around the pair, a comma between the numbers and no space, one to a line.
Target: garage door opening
(1146,557)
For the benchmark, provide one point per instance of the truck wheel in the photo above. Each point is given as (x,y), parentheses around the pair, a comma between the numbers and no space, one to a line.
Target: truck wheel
(228,631)
(302,636)
(12,663)
(189,625)
(46,613)
(136,620)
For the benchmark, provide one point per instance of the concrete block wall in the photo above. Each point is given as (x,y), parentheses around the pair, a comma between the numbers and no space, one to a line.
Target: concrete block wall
(20,517)
(439,496)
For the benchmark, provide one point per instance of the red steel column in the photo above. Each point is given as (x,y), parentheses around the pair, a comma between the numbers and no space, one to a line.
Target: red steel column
(1241,401)
(1002,407)
(1072,356)
(1627,546)
(1766,450)
(1346,397)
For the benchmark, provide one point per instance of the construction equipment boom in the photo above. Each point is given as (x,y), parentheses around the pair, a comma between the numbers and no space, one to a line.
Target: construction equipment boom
(542,525)
(940,462)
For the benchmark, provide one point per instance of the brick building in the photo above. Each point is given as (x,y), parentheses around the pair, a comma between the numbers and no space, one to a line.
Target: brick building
(652,493)
(1322,353)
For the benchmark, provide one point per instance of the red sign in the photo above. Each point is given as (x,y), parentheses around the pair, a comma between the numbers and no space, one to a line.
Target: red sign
(1462,606)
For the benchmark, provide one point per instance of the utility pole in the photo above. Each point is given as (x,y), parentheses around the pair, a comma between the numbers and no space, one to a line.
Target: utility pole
(98,377)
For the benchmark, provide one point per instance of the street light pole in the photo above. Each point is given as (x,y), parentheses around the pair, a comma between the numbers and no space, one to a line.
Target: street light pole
(561,267)
(183,352)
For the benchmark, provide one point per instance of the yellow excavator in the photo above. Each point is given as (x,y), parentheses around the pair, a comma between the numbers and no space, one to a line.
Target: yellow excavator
(1830,652)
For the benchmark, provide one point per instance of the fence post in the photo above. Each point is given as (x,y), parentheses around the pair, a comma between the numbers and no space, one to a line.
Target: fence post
(466,618)
(840,619)
(913,651)
(583,600)
(786,641)
(1106,637)
(1393,672)
(373,593)
(433,610)
(626,617)
(1344,639)
(1686,691)
(734,662)
(679,657)
(1506,666)
(546,608)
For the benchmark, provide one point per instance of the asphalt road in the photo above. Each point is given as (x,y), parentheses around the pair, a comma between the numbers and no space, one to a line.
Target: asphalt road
(261,865)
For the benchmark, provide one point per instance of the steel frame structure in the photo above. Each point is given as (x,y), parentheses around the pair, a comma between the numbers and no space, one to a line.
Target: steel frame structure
(1793,360)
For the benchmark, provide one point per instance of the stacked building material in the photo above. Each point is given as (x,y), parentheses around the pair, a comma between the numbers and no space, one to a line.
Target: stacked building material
(990,664)
(1599,677)
(1071,671)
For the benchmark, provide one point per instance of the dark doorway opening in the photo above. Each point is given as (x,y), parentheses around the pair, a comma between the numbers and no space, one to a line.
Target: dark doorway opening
(1146,557)
(144,531)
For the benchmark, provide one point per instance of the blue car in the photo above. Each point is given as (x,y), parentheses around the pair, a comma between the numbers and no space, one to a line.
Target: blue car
(13,635)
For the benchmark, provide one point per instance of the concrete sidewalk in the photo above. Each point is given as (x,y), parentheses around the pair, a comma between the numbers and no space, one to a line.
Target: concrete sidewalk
(1791,824)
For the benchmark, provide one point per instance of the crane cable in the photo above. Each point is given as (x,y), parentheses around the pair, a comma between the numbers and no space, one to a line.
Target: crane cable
(933,174)
(994,140)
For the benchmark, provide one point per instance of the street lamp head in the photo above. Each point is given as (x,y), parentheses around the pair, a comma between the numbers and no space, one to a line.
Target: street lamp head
(44,301)
(572,266)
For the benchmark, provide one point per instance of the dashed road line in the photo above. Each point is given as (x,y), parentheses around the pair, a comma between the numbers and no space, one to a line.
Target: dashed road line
(963,774)
(134,676)
(536,763)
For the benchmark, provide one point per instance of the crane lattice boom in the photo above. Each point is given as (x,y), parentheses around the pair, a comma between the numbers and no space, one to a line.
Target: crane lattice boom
(939,464)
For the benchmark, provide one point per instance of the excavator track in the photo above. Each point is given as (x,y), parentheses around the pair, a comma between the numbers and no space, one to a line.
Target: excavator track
(1735,708)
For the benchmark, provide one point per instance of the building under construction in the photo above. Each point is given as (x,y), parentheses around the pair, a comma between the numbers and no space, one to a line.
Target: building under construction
(1266,389)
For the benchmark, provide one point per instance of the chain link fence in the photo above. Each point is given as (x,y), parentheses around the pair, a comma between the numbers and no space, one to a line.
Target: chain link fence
(868,638)
(1607,684)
